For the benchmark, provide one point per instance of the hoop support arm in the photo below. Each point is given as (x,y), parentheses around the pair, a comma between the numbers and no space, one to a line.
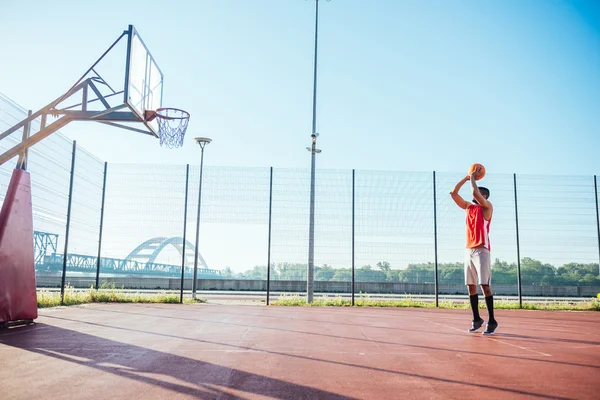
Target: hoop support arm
(45,110)
(44,133)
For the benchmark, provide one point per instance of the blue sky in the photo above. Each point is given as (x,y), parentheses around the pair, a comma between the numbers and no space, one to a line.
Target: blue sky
(403,85)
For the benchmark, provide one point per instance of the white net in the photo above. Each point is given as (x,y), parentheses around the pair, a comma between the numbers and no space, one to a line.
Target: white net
(172,124)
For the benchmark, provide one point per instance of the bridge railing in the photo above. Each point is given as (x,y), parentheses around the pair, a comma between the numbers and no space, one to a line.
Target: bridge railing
(88,264)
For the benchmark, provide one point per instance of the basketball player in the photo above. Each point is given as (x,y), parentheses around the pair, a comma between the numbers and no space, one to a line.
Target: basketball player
(478,269)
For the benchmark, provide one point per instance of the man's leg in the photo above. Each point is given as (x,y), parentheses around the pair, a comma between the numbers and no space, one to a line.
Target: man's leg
(489,302)
(474,299)
(470,281)
(483,265)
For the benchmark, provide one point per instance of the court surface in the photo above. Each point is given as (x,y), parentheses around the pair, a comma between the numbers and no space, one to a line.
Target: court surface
(134,351)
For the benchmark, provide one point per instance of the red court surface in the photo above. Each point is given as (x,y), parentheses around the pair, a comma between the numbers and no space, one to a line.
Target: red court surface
(210,351)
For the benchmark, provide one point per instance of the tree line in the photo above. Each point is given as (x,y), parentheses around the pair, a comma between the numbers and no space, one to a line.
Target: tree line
(533,272)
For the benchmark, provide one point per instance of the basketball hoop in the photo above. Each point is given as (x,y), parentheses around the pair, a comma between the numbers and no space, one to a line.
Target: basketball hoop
(172,124)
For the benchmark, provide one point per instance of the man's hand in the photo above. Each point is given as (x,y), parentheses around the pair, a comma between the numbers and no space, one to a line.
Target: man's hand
(475,172)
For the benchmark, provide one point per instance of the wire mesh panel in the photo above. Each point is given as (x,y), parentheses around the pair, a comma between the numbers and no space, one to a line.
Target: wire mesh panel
(290,229)
(233,237)
(85,220)
(49,165)
(451,225)
(558,234)
(143,244)
(394,240)
(333,232)
(143,226)
(10,114)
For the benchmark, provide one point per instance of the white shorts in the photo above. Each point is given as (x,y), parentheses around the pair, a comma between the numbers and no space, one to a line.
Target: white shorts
(478,268)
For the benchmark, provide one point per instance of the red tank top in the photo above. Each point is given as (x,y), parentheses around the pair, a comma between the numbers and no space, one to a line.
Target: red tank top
(478,228)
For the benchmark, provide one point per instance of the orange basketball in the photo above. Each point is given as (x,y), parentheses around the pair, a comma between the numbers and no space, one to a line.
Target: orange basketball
(481,173)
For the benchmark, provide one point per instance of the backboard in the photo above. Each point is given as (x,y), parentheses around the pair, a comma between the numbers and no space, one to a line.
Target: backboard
(143,80)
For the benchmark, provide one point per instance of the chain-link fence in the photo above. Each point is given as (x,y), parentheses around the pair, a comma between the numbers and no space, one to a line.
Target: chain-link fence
(381,234)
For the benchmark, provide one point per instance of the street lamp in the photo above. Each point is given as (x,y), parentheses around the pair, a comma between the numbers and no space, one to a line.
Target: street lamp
(202,141)
(313,150)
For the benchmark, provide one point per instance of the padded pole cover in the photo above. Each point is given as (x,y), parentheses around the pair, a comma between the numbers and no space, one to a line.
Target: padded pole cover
(18,300)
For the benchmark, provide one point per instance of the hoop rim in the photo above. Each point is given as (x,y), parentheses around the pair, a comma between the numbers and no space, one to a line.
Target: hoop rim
(186,115)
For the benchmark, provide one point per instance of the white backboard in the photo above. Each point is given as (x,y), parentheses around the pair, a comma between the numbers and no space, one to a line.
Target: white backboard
(143,80)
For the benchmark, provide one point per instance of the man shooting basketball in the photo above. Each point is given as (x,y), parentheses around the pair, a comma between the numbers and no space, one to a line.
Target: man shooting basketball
(478,270)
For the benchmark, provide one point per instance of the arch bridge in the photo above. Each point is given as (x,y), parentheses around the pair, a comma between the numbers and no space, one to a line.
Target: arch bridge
(140,261)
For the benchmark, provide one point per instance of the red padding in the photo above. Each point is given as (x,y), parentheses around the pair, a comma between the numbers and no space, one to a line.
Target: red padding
(18,300)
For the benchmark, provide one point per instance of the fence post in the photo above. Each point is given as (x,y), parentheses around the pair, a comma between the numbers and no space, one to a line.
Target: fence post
(435,243)
(101,227)
(70,201)
(518,245)
(187,180)
(353,212)
(597,220)
(269,245)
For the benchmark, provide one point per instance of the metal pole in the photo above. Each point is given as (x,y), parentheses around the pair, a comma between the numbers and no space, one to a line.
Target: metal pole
(101,227)
(518,246)
(311,232)
(353,208)
(194,282)
(64,269)
(187,180)
(313,150)
(435,241)
(314,110)
(269,246)
(597,220)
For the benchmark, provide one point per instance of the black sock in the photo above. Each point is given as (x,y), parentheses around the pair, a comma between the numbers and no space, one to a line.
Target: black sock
(489,302)
(475,306)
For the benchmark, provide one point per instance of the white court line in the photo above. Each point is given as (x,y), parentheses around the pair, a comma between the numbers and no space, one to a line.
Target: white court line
(522,348)
(492,338)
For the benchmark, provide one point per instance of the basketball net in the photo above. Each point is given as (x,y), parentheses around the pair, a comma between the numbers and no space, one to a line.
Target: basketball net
(172,125)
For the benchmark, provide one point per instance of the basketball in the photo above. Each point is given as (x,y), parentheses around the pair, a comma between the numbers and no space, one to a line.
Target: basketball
(481,174)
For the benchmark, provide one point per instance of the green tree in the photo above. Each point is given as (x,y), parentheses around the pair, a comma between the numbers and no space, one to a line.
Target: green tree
(290,271)
(577,274)
(324,273)
(504,273)
(419,273)
(227,272)
(342,275)
(384,266)
(533,272)
(367,274)
(259,272)
(451,274)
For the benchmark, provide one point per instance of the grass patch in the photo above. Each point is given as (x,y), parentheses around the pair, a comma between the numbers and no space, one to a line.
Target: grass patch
(107,293)
(366,301)
(339,301)
(592,305)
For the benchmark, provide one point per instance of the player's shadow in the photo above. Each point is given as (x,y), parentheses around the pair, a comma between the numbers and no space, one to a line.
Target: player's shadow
(179,374)
(237,347)
(342,337)
(198,378)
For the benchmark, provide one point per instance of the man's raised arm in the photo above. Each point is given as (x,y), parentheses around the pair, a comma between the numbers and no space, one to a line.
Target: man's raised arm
(462,203)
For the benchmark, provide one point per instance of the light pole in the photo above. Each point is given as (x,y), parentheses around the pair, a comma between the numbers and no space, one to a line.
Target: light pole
(202,141)
(313,150)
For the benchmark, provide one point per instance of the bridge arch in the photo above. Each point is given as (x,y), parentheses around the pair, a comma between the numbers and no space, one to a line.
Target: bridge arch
(148,251)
